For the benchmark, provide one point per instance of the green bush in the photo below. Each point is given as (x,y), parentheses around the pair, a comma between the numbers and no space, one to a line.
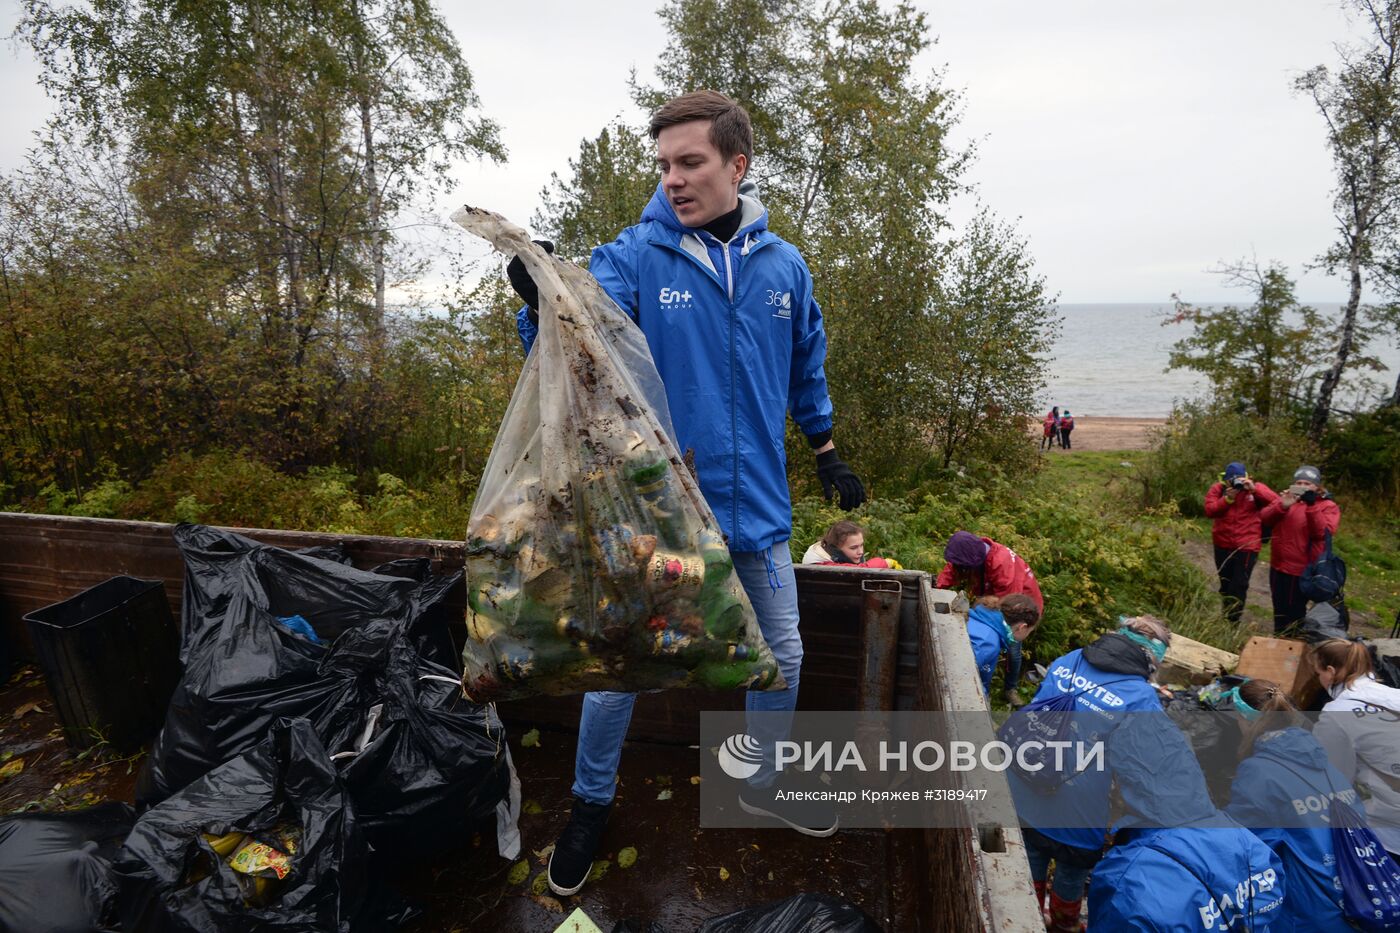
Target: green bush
(1093,565)
(1363,454)
(1197,442)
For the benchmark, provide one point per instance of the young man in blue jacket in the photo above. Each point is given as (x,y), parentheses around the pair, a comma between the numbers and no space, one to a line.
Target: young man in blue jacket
(731,322)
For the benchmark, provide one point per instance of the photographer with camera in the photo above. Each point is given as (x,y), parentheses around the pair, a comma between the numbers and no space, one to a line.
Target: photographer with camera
(1301,518)
(1236,504)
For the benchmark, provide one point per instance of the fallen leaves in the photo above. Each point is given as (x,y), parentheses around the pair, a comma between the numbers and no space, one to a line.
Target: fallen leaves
(518,873)
(599,869)
(723,873)
(627,857)
(544,854)
(541,883)
(530,739)
(531,807)
(664,795)
(550,904)
(28,708)
(11,768)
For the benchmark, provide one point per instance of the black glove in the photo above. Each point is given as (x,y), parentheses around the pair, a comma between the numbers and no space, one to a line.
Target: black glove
(837,477)
(525,286)
(1309,497)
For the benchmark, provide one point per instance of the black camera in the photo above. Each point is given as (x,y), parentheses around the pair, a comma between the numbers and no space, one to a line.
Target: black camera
(1238,482)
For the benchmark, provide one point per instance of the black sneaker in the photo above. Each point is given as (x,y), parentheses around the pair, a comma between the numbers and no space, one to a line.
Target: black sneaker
(810,817)
(573,853)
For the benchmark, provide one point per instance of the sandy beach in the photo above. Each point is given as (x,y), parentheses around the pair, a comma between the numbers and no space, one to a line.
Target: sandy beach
(1108,433)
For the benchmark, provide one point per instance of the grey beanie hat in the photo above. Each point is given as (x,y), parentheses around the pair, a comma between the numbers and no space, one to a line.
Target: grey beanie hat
(1310,474)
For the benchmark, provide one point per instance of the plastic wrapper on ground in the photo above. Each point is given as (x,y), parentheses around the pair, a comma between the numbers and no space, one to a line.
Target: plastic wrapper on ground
(801,913)
(593,561)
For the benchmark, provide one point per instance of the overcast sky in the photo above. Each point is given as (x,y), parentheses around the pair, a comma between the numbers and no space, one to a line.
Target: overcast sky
(1136,144)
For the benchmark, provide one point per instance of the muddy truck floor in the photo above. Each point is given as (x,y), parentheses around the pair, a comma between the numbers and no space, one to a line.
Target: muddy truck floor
(682,874)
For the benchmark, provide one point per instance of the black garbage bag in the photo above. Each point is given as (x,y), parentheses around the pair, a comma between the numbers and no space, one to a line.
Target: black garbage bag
(1214,736)
(429,765)
(249,659)
(265,841)
(56,869)
(801,913)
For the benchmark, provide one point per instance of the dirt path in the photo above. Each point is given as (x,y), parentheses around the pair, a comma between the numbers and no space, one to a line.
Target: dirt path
(1104,433)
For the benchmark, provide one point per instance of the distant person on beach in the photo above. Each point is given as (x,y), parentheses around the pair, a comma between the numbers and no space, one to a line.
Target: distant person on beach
(1051,426)
(1300,518)
(1235,504)
(1066,426)
(844,545)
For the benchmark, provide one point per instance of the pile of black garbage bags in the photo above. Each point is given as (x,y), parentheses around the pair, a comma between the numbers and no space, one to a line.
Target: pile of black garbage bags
(319,719)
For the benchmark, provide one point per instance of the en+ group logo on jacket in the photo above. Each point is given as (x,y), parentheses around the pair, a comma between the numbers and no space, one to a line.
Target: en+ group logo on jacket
(674,299)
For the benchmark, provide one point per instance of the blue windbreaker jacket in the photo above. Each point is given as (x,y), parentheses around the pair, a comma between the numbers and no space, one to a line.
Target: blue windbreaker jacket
(1283,792)
(738,341)
(1188,879)
(1077,812)
(1183,865)
(986,629)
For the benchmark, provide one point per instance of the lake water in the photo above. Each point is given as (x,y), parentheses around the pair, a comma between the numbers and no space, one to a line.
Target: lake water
(1110,360)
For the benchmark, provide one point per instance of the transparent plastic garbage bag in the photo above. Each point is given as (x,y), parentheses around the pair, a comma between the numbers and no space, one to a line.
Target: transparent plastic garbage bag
(593,562)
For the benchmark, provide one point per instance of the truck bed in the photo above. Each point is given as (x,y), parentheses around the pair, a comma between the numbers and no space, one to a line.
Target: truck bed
(908,880)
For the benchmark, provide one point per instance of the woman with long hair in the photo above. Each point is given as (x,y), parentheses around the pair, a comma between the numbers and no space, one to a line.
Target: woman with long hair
(1360,728)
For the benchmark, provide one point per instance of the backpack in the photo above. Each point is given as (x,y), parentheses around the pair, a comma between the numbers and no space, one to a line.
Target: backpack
(1369,876)
(1043,721)
(1324,578)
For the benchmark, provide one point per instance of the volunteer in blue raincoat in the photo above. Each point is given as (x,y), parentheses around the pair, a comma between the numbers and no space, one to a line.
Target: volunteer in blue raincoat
(1066,822)
(1178,863)
(731,322)
(994,625)
(1282,792)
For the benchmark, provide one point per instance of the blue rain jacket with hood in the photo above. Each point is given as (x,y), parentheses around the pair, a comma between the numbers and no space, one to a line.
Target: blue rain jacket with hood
(990,635)
(1283,792)
(1108,680)
(737,338)
(1180,864)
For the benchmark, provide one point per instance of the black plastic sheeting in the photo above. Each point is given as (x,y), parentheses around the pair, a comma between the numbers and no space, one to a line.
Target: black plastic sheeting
(801,913)
(287,778)
(1214,736)
(419,762)
(55,869)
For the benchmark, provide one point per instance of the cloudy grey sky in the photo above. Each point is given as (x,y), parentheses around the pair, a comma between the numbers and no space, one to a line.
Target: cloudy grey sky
(1136,144)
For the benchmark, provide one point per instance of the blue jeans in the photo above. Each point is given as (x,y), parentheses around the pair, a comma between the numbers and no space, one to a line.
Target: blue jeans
(1071,872)
(768,578)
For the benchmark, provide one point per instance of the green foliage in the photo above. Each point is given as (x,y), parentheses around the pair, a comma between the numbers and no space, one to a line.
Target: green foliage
(1093,562)
(197,255)
(1256,357)
(618,172)
(1198,441)
(1363,455)
(237,489)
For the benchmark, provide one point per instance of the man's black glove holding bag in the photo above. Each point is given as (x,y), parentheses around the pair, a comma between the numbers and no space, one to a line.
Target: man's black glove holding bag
(525,286)
(838,478)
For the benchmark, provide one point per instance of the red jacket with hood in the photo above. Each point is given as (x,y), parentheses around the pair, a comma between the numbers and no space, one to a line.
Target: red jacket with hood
(1004,573)
(1298,531)
(1238,526)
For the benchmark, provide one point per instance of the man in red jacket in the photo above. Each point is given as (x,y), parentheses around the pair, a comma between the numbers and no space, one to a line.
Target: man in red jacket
(983,567)
(1300,518)
(1235,504)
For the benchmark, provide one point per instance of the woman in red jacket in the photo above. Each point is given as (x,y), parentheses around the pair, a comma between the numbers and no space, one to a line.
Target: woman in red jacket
(1300,518)
(1235,503)
(983,567)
